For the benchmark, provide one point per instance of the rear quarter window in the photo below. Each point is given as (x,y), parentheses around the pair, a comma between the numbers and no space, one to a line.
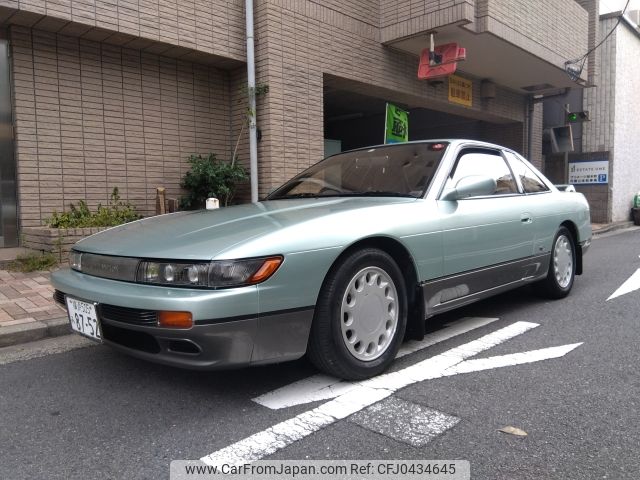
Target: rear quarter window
(530,181)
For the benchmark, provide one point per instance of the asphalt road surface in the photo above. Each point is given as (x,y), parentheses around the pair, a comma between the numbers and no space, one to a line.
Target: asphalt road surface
(73,410)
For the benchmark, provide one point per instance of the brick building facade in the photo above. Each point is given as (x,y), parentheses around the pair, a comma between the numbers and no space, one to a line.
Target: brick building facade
(119,93)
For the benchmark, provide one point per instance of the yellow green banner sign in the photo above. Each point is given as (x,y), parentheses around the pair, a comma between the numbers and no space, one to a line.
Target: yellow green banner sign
(396,125)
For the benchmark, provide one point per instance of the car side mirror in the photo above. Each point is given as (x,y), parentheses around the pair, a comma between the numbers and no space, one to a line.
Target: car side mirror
(471,186)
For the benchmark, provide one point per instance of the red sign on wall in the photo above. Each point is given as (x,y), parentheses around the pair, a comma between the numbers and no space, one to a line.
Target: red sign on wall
(445,63)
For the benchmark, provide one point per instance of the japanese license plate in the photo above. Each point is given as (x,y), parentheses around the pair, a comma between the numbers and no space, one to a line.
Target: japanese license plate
(84,318)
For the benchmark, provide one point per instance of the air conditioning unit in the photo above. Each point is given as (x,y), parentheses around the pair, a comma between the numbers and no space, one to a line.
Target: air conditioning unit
(561,139)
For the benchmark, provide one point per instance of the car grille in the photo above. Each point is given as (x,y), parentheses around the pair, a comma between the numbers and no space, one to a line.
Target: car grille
(132,316)
(107,266)
(59,297)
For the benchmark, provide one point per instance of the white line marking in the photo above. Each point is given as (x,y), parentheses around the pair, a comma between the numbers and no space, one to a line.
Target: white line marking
(323,387)
(364,394)
(510,360)
(632,284)
(453,329)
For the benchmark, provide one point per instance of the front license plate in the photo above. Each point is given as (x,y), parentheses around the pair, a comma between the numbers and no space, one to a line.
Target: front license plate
(84,318)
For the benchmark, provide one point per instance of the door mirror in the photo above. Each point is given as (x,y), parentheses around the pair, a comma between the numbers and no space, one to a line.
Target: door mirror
(471,186)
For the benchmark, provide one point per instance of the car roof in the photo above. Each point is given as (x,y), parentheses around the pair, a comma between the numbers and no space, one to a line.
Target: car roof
(452,141)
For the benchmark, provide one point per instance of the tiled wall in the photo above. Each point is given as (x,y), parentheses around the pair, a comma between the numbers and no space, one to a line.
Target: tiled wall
(598,134)
(598,196)
(556,30)
(408,17)
(367,11)
(212,26)
(593,9)
(600,101)
(91,116)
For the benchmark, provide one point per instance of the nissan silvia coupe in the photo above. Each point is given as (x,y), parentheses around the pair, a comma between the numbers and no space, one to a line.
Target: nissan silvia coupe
(340,263)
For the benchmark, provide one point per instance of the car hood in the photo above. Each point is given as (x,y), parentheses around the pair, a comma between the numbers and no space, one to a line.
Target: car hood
(205,234)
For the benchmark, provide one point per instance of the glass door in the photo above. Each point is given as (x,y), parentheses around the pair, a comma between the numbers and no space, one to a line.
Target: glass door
(8,205)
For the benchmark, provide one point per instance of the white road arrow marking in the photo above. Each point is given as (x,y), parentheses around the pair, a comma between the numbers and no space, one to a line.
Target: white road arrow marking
(510,360)
(632,284)
(364,394)
(323,387)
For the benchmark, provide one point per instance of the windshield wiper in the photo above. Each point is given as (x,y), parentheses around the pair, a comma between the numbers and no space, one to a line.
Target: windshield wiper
(294,195)
(369,193)
(305,195)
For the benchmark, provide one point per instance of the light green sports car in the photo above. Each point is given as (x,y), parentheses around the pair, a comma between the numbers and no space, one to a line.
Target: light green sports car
(341,263)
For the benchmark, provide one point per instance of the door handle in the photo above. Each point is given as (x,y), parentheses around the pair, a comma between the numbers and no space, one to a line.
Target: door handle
(526,218)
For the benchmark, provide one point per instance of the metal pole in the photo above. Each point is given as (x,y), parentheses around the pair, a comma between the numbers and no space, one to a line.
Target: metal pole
(567,109)
(251,84)
(530,127)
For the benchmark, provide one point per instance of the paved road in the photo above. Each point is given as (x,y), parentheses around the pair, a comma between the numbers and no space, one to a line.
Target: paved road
(75,411)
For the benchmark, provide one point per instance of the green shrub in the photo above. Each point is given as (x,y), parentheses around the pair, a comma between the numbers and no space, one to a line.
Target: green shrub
(115,213)
(210,177)
(32,262)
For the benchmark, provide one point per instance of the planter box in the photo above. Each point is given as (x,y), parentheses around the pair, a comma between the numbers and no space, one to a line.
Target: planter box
(635,213)
(55,240)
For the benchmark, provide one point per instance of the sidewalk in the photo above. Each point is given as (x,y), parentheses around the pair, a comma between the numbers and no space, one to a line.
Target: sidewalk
(28,312)
(27,309)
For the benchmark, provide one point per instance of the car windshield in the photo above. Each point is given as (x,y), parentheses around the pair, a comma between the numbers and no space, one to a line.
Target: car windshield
(401,170)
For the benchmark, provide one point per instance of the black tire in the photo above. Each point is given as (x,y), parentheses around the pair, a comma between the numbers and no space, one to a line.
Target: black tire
(553,287)
(329,347)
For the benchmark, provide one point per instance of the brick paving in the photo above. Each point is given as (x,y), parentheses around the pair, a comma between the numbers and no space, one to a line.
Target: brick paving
(25,298)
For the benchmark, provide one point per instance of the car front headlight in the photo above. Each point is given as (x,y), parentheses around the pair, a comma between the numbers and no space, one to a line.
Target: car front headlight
(215,274)
(75,260)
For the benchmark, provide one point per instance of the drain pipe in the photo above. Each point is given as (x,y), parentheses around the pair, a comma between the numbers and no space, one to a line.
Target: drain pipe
(530,110)
(251,84)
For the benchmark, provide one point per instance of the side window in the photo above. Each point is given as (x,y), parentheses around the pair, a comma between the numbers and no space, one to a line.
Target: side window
(486,164)
(531,183)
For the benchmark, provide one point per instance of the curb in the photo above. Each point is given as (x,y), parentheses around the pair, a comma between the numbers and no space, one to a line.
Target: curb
(32,331)
(5,264)
(612,227)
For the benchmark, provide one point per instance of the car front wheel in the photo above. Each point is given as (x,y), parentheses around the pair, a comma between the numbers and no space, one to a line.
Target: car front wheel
(562,267)
(360,317)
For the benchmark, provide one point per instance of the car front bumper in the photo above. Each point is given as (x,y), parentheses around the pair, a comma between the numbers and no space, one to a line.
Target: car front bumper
(229,330)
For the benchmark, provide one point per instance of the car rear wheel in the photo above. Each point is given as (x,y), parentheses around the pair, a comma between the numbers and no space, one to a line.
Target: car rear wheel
(562,268)
(360,317)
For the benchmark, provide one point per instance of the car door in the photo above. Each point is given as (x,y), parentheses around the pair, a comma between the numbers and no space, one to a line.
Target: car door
(545,221)
(484,237)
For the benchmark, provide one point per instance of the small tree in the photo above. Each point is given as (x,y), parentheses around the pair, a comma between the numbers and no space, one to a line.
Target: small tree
(210,177)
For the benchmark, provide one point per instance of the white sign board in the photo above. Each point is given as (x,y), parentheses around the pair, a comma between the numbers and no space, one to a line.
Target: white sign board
(582,173)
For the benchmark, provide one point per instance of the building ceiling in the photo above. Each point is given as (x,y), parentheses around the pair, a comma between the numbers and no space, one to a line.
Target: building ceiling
(490,57)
